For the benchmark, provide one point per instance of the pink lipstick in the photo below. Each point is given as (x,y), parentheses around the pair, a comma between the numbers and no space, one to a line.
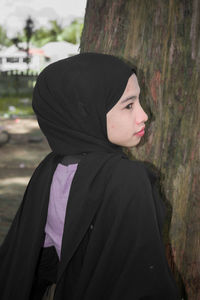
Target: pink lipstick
(141,132)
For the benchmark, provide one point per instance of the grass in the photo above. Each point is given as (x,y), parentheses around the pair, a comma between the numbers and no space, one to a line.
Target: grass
(19,106)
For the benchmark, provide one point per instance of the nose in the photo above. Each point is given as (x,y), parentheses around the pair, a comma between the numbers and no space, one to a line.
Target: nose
(141,117)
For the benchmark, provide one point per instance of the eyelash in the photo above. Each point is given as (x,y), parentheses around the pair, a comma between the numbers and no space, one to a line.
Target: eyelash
(127,107)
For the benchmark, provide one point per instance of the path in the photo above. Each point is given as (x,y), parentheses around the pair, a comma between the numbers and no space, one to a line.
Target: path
(18,159)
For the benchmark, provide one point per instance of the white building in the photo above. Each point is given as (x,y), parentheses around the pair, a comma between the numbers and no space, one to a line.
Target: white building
(59,50)
(13,59)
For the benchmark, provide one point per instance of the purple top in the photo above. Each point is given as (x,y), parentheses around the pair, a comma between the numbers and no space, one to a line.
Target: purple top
(59,194)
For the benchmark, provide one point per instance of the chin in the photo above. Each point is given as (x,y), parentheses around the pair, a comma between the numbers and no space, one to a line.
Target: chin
(130,145)
(133,144)
(127,144)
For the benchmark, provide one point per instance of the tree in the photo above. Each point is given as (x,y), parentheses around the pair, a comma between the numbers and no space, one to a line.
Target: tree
(44,35)
(161,38)
(57,32)
(28,33)
(26,36)
(41,37)
(4,40)
(72,32)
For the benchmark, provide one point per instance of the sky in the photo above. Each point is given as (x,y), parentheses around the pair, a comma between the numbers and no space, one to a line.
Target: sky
(13,13)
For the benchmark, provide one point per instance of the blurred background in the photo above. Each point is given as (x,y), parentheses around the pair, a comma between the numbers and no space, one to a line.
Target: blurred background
(33,34)
(162,39)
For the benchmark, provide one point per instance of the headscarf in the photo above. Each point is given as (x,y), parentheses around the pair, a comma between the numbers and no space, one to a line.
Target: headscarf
(123,257)
(71,99)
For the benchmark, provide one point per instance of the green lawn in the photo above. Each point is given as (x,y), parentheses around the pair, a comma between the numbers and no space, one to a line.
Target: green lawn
(20,106)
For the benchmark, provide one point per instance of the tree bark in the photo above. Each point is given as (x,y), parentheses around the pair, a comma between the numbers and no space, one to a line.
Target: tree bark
(162,39)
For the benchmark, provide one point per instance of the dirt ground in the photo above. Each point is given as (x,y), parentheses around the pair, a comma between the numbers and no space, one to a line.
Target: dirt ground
(18,159)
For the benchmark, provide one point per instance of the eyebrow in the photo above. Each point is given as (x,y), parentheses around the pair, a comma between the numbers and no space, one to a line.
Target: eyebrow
(129,98)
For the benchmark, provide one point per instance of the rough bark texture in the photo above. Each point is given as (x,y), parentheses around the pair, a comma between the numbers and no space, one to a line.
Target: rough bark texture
(162,39)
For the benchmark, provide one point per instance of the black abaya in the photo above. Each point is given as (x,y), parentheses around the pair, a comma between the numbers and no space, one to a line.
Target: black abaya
(112,245)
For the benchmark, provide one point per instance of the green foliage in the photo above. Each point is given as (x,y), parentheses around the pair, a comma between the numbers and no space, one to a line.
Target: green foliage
(4,40)
(41,37)
(54,33)
(72,33)
(15,106)
(26,34)
(57,33)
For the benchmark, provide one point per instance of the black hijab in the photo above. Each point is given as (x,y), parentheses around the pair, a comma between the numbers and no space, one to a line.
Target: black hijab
(123,256)
(72,97)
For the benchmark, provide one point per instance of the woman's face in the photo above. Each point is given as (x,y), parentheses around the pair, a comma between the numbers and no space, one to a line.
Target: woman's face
(127,117)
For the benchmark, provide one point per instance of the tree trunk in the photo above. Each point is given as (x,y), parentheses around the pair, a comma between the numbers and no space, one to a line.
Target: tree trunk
(162,39)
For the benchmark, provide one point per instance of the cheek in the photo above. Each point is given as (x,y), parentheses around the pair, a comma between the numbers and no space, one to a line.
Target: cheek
(116,124)
(120,126)
(113,126)
(120,123)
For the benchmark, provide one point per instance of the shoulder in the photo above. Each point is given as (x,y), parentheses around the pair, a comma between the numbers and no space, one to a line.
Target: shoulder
(129,174)
(127,171)
(134,183)
(130,187)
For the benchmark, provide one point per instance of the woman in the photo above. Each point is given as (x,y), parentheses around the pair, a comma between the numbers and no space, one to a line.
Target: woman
(91,219)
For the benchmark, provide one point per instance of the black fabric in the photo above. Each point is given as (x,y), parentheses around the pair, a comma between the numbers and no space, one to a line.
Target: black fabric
(71,159)
(46,272)
(72,97)
(112,246)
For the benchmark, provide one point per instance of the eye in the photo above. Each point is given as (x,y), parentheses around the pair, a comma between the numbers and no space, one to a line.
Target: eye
(129,106)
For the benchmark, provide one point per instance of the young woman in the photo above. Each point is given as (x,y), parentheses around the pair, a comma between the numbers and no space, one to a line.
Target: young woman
(91,219)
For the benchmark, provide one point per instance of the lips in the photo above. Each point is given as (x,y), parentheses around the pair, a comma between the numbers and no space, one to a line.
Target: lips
(141,132)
